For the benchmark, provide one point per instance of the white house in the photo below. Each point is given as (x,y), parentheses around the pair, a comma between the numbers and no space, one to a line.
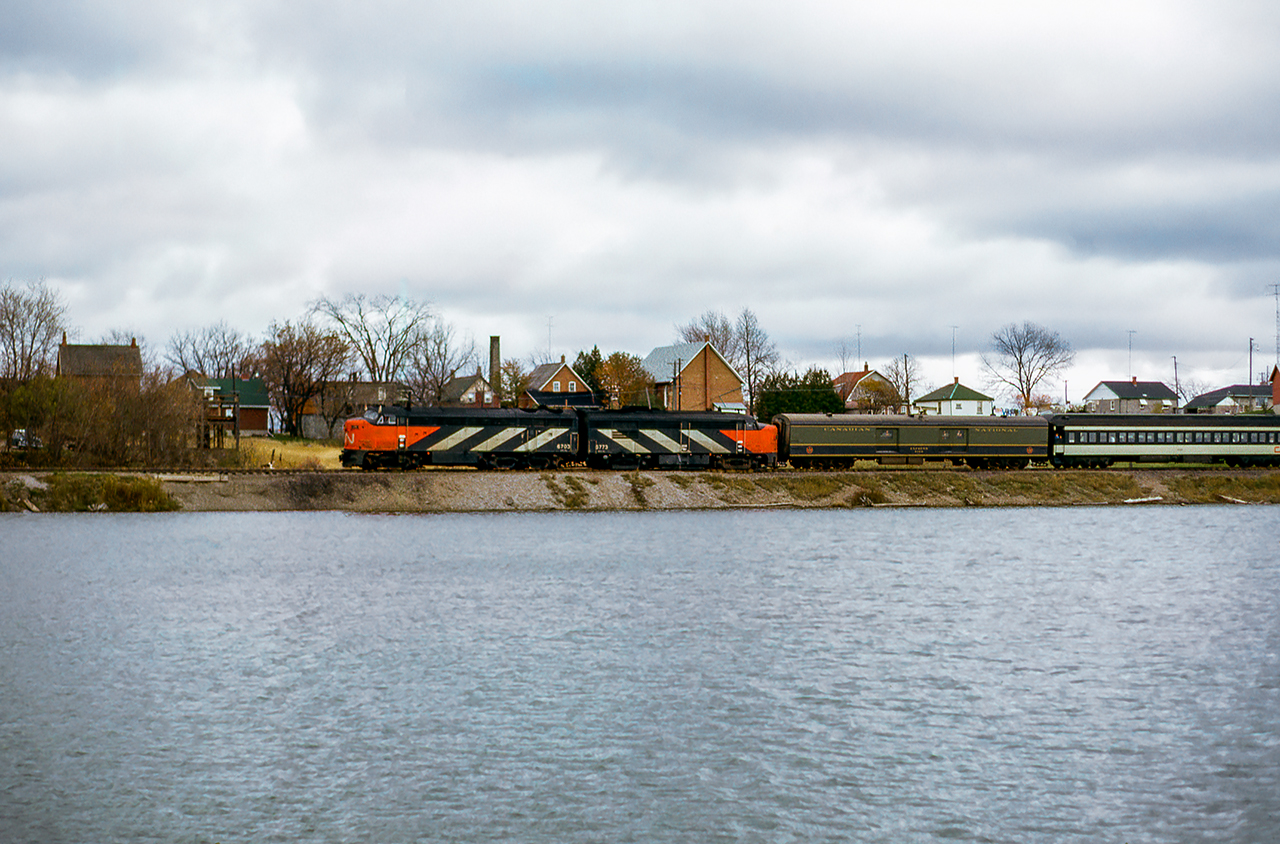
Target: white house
(955,400)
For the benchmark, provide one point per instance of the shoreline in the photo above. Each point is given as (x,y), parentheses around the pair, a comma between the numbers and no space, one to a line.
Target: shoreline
(596,491)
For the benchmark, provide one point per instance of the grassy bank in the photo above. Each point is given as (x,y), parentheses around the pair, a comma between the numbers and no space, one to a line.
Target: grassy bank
(85,492)
(452,491)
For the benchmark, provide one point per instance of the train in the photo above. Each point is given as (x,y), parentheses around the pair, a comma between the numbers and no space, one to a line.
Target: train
(398,437)
(547,438)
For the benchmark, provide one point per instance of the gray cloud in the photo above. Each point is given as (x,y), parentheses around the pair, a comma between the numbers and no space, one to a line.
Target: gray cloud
(900,167)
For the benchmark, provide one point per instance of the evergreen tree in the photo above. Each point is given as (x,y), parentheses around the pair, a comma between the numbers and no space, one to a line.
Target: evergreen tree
(790,392)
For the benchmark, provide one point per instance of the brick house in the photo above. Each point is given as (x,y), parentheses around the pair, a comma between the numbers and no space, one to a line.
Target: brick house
(853,387)
(469,391)
(694,376)
(100,364)
(556,385)
(231,404)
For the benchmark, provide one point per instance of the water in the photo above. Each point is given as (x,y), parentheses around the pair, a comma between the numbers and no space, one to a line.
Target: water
(1044,675)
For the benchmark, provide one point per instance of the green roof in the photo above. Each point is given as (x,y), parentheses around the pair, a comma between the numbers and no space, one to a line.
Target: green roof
(954,392)
(252,391)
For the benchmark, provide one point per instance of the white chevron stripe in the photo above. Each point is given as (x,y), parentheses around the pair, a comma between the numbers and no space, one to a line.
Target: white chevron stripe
(498,439)
(707,443)
(625,442)
(454,438)
(670,445)
(542,439)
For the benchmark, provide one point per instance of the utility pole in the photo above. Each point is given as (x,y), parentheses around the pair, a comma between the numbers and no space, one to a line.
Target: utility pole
(1131,333)
(859,342)
(1177,392)
(906,383)
(1275,288)
(549,319)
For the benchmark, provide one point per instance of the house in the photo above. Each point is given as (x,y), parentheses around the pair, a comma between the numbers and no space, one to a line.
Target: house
(694,376)
(1238,398)
(231,406)
(955,400)
(468,391)
(323,416)
(556,385)
(858,389)
(1132,396)
(100,364)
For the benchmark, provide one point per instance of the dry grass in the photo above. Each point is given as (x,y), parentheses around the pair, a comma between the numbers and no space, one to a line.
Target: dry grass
(291,453)
(808,487)
(1209,487)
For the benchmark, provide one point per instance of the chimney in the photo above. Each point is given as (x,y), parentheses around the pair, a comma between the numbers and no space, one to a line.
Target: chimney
(957,377)
(133,342)
(1135,380)
(562,358)
(495,361)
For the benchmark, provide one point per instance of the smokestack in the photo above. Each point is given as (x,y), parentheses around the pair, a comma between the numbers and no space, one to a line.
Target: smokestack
(495,362)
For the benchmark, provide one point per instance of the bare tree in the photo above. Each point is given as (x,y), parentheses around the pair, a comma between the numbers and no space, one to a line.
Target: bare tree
(437,356)
(844,353)
(1023,356)
(1189,388)
(217,351)
(903,375)
(713,327)
(757,354)
(32,318)
(384,332)
(296,361)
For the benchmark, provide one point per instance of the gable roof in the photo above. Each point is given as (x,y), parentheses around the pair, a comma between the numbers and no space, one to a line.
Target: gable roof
(458,386)
(544,373)
(663,361)
(1150,390)
(1236,391)
(954,392)
(846,382)
(100,361)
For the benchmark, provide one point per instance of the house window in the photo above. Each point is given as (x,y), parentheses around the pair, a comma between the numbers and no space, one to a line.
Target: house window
(573,386)
(555,387)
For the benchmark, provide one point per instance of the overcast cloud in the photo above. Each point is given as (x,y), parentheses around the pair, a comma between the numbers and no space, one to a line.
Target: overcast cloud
(870,173)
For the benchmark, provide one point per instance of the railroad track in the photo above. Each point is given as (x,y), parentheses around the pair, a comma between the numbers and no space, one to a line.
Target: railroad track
(177,472)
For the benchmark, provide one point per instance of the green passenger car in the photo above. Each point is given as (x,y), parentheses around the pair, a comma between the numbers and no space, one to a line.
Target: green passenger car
(820,440)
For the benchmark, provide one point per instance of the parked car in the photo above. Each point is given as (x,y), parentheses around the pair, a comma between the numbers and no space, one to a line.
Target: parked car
(21,439)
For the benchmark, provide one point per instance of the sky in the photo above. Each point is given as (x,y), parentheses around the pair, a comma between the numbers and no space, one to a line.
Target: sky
(870,178)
